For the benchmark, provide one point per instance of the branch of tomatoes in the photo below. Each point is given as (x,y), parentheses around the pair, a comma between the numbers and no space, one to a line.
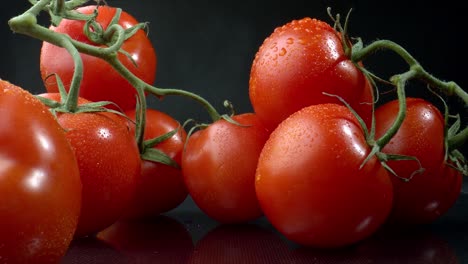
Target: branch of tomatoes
(455,137)
(108,46)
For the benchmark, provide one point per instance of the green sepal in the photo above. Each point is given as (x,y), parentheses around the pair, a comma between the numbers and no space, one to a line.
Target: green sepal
(129,32)
(458,162)
(357,46)
(156,155)
(54,19)
(455,127)
(48,102)
(229,119)
(154,141)
(383,157)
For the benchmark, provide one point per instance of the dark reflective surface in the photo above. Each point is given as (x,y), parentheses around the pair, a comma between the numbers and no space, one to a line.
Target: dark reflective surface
(188,236)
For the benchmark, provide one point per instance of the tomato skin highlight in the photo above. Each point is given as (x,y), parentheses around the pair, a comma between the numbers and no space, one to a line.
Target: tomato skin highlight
(100,81)
(430,194)
(218,166)
(296,64)
(309,184)
(40,183)
(161,187)
(109,164)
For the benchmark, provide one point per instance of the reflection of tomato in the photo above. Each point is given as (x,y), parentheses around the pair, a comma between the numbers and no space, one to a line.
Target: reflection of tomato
(40,188)
(407,246)
(100,81)
(242,243)
(91,250)
(430,194)
(154,240)
(396,246)
(296,64)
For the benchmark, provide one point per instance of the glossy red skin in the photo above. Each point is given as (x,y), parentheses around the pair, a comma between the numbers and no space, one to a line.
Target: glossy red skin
(218,167)
(100,81)
(309,184)
(161,187)
(296,64)
(39,181)
(429,195)
(109,164)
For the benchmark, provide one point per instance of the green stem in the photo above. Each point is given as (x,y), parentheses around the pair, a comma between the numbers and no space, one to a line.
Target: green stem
(400,81)
(449,88)
(59,6)
(416,71)
(214,115)
(112,59)
(38,7)
(26,24)
(383,44)
(71,103)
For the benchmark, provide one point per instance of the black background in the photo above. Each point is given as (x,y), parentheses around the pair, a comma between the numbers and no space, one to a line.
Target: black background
(207,47)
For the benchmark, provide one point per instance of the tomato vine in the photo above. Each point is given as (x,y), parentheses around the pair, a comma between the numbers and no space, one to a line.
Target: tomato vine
(358,52)
(112,38)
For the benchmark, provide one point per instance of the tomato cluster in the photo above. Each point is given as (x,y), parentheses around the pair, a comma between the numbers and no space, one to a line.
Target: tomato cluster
(307,157)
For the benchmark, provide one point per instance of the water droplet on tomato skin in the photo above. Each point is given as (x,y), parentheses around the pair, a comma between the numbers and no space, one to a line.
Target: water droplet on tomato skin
(282,52)
(290,41)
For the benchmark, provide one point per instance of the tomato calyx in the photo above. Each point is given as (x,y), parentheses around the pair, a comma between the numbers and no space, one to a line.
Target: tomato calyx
(150,153)
(377,145)
(64,105)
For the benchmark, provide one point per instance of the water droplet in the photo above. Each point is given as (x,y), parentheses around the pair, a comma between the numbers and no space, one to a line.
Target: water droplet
(290,41)
(282,52)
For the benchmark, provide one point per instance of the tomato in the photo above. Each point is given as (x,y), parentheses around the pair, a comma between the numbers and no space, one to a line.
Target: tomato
(100,81)
(161,239)
(309,182)
(109,164)
(218,166)
(430,194)
(161,187)
(296,64)
(39,181)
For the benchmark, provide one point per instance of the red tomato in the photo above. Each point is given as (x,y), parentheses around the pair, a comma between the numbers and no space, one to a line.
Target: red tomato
(296,64)
(39,181)
(309,183)
(430,194)
(161,187)
(100,81)
(109,163)
(219,164)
